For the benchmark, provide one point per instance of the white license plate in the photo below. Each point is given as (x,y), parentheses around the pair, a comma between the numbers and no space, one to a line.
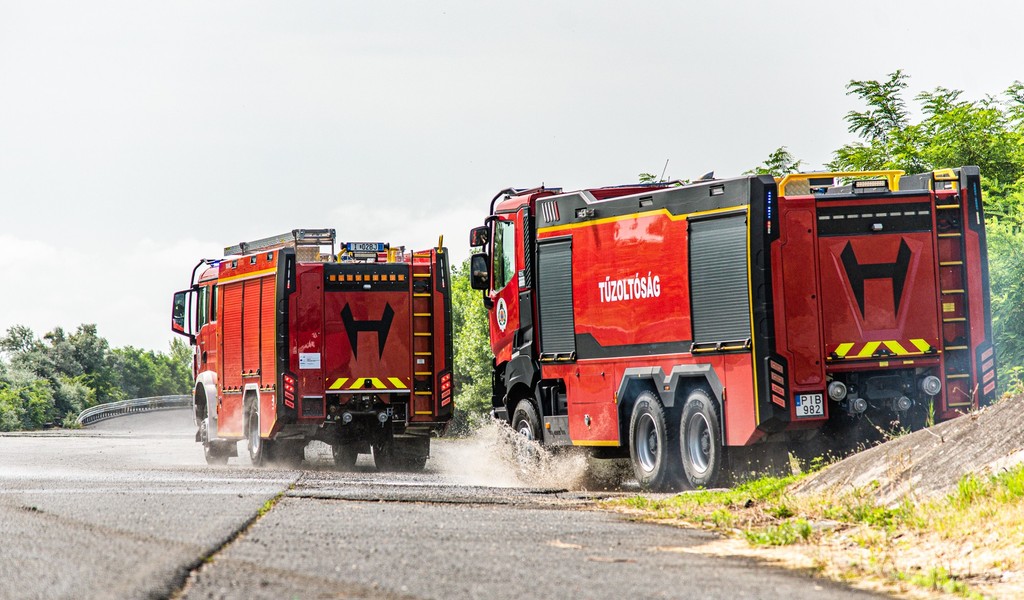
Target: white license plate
(810,405)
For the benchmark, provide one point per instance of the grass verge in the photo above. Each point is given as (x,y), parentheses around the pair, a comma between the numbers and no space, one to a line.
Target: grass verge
(968,544)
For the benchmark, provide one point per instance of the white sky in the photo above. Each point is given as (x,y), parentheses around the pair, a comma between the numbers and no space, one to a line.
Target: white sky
(137,137)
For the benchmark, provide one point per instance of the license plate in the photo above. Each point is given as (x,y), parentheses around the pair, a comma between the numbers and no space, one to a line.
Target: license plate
(365,246)
(810,405)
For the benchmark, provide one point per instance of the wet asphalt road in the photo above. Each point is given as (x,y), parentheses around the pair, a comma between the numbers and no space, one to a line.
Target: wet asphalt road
(129,509)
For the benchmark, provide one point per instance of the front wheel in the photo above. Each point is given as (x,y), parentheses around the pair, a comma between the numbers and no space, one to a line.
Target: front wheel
(700,440)
(650,441)
(215,454)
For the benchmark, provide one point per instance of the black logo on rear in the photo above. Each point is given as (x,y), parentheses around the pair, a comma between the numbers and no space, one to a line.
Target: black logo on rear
(858,273)
(381,328)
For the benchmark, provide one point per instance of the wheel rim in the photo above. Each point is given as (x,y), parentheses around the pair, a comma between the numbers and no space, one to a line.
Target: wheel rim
(698,442)
(646,445)
(524,429)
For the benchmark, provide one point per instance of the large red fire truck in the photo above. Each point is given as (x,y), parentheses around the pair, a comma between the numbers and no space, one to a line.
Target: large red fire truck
(296,343)
(694,323)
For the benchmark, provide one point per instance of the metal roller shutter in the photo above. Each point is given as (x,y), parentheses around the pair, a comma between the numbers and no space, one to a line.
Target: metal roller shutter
(558,330)
(718,280)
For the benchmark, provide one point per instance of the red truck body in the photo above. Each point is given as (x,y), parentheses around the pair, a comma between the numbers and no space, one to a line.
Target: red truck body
(292,346)
(692,325)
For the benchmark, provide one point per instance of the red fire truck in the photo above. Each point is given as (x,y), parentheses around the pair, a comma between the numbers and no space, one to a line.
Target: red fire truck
(296,343)
(691,324)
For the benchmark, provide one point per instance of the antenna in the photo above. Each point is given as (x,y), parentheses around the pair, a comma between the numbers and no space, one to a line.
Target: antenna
(663,171)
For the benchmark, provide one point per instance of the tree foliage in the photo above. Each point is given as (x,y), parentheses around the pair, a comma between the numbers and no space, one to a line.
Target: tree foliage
(951,132)
(472,352)
(779,163)
(49,380)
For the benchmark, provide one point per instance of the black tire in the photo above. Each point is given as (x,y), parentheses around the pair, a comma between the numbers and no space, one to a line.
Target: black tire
(525,421)
(383,455)
(655,464)
(345,456)
(259,448)
(700,440)
(215,454)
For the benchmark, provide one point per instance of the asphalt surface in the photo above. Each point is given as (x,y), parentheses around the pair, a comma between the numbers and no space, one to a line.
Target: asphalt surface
(129,509)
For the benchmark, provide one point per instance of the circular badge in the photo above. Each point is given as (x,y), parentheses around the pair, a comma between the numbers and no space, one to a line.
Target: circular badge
(502,314)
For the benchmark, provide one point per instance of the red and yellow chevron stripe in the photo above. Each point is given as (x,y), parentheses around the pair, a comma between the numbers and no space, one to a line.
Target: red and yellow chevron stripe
(388,384)
(911,347)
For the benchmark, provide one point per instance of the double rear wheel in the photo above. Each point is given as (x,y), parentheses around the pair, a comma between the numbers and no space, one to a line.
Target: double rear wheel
(673,449)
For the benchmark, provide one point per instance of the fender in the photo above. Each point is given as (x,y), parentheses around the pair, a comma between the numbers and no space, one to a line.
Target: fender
(250,395)
(208,381)
(521,370)
(668,387)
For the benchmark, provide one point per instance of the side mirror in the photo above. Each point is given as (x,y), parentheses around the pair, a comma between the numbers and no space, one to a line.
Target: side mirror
(479,271)
(479,236)
(181,313)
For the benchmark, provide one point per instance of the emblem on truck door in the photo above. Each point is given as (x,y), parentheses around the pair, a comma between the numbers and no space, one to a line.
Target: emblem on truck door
(380,327)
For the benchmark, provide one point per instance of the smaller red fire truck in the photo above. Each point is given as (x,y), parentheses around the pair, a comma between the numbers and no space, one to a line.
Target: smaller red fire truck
(294,342)
(696,327)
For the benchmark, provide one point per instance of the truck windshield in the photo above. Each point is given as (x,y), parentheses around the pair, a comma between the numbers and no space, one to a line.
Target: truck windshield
(504,253)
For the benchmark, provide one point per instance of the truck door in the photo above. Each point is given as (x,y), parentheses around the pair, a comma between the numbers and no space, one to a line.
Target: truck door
(504,291)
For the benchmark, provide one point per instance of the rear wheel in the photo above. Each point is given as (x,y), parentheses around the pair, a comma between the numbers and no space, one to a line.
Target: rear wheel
(700,437)
(655,465)
(402,454)
(258,447)
(345,456)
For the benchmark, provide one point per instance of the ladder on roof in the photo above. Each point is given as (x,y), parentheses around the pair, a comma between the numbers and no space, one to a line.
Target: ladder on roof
(295,238)
(423,333)
(949,232)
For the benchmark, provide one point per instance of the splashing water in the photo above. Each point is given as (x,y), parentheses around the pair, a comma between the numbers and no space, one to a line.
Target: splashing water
(495,455)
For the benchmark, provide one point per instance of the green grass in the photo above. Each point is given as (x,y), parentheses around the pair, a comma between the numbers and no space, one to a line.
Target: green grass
(939,579)
(783,534)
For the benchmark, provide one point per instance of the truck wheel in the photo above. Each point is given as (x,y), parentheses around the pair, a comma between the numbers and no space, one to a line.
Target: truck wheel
(650,443)
(525,421)
(383,455)
(258,447)
(700,437)
(345,456)
(215,454)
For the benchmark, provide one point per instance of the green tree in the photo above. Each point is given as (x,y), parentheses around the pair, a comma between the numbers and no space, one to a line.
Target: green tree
(472,352)
(780,162)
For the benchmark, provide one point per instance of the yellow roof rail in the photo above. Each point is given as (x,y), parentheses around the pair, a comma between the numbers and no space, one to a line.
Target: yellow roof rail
(803,180)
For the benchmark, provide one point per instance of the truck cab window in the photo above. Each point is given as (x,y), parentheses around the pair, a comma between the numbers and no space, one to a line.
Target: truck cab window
(202,304)
(504,253)
(213,303)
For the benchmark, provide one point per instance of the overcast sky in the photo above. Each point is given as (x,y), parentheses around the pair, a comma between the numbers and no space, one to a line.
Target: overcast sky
(138,137)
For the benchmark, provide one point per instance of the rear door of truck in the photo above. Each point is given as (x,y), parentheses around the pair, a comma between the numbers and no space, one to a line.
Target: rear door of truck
(878,275)
(367,329)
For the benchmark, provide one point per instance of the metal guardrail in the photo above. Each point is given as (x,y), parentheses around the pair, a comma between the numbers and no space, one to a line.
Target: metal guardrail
(110,410)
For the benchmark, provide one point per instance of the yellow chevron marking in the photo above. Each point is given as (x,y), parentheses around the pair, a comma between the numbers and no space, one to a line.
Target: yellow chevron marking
(398,383)
(338,383)
(361,383)
(868,349)
(843,349)
(895,347)
(921,345)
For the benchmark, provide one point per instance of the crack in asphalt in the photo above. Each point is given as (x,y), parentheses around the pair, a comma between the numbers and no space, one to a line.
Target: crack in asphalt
(179,584)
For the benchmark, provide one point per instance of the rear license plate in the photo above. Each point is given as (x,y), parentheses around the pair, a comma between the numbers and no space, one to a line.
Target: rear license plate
(810,405)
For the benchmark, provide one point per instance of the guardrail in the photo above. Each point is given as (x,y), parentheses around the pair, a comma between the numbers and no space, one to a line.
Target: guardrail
(102,412)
